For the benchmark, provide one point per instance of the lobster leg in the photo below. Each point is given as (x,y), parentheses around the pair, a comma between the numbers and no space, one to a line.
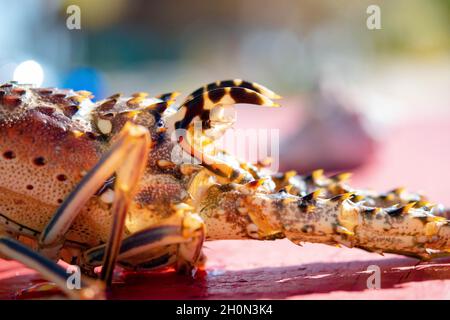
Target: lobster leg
(168,96)
(177,242)
(208,107)
(127,157)
(53,272)
(234,83)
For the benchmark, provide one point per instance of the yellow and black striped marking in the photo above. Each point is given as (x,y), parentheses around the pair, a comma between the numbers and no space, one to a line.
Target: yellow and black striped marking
(202,104)
(234,83)
(160,107)
(168,96)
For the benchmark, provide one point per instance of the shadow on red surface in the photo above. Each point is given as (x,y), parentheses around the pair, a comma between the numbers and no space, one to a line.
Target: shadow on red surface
(260,283)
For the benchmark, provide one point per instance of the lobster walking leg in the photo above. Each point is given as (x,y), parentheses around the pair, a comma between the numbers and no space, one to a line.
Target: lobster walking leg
(13,249)
(208,107)
(177,242)
(127,157)
(234,83)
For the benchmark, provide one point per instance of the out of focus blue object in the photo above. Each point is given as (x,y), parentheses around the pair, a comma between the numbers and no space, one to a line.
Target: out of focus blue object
(85,78)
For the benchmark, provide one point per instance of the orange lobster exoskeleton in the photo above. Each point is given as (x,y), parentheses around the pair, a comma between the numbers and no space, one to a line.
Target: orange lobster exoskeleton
(96,184)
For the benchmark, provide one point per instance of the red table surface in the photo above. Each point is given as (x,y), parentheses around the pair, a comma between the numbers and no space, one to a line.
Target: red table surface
(416,155)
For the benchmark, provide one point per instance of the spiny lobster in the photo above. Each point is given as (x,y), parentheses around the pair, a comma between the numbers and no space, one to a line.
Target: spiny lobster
(94,184)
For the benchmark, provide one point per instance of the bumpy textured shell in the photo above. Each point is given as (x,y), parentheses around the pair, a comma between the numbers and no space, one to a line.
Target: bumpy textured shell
(50,138)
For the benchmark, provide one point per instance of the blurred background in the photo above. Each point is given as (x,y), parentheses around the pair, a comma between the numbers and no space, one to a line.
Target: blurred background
(353,97)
